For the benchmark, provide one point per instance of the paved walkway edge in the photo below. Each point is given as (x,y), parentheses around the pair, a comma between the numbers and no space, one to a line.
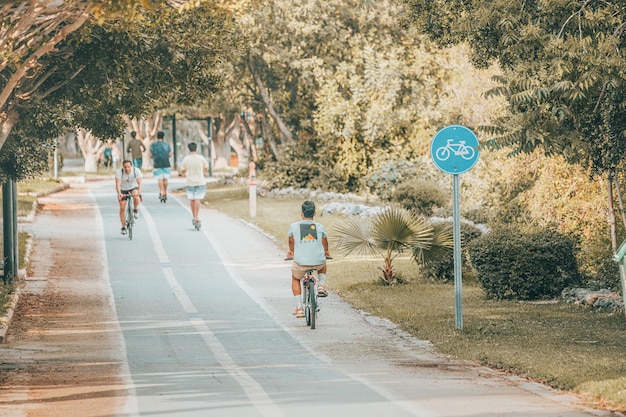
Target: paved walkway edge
(5,320)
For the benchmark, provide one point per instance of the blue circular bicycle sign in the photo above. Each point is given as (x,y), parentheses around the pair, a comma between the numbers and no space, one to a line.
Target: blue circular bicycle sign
(454,149)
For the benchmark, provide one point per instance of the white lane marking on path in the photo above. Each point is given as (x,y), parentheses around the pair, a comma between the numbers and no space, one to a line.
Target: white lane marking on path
(254,391)
(411,407)
(130,407)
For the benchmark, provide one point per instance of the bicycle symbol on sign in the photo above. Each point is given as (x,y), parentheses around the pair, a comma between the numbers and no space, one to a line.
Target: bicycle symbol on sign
(458,149)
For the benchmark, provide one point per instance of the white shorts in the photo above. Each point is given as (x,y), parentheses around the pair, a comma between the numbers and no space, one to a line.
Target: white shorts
(196,192)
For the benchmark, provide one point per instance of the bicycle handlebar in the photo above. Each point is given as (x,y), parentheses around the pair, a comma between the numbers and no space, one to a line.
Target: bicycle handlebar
(127,196)
(291,259)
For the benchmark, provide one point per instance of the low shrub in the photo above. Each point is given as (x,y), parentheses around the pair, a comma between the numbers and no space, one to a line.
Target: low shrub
(513,264)
(420,196)
(596,264)
(442,268)
(478,215)
(606,277)
(382,181)
(296,168)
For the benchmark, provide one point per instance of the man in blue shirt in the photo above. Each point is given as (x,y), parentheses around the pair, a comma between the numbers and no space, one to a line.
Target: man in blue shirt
(160,152)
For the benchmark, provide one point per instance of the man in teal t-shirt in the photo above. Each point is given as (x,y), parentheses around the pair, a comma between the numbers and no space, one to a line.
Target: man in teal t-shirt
(160,152)
(308,246)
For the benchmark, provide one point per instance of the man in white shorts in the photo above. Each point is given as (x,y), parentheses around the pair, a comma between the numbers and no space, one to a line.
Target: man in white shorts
(194,168)
(160,152)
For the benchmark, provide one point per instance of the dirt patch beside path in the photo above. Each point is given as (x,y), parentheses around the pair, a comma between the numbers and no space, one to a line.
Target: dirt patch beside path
(65,298)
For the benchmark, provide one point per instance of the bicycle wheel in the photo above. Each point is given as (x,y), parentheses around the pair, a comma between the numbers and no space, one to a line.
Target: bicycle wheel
(442,153)
(312,303)
(130,220)
(307,305)
(468,153)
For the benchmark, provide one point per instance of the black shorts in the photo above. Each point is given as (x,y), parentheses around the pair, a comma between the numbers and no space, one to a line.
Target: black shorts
(126,192)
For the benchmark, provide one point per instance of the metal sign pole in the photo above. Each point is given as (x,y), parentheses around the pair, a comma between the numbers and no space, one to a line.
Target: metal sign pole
(456,232)
(210,136)
(454,150)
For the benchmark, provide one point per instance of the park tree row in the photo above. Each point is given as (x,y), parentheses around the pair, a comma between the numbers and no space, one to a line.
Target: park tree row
(344,93)
(85,65)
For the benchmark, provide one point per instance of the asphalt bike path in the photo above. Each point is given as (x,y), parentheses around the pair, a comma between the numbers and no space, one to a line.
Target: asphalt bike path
(202,326)
(197,341)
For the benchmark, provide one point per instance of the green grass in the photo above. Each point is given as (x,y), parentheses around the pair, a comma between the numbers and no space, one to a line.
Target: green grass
(27,192)
(566,346)
(6,290)
(38,186)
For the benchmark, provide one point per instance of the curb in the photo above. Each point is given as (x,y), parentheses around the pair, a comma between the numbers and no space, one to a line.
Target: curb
(5,320)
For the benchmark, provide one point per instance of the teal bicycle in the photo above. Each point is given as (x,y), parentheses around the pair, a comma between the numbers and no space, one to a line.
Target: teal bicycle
(311,306)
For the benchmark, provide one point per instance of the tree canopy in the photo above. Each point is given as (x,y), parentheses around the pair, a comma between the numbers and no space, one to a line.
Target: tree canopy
(563,72)
(86,70)
(343,83)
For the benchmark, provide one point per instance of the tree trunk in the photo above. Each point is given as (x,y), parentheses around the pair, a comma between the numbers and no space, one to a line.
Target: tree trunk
(238,135)
(268,137)
(8,120)
(67,144)
(249,139)
(620,201)
(91,148)
(91,163)
(233,134)
(222,154)
(285,133)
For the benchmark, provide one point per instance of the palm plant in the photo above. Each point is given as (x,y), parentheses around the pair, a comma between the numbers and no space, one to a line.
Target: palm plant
(390,233)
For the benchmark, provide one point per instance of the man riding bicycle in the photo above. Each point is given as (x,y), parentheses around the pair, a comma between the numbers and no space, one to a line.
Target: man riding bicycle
(127,182)
(308,246)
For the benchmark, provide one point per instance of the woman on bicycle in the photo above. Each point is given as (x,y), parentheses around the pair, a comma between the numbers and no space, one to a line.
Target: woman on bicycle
(308,246)
(127,181)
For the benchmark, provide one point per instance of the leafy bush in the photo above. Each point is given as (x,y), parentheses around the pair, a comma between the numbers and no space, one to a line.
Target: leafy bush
(297,167)
(607,276)
(442,267)
(383,181)
(419,196)
(596,264)
(478,215)
(512,264)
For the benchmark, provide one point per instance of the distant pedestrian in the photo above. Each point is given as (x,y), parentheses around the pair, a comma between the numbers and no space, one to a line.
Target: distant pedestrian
(160,152)
(107,155)
(194,168)
(117,155)
(136,149)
